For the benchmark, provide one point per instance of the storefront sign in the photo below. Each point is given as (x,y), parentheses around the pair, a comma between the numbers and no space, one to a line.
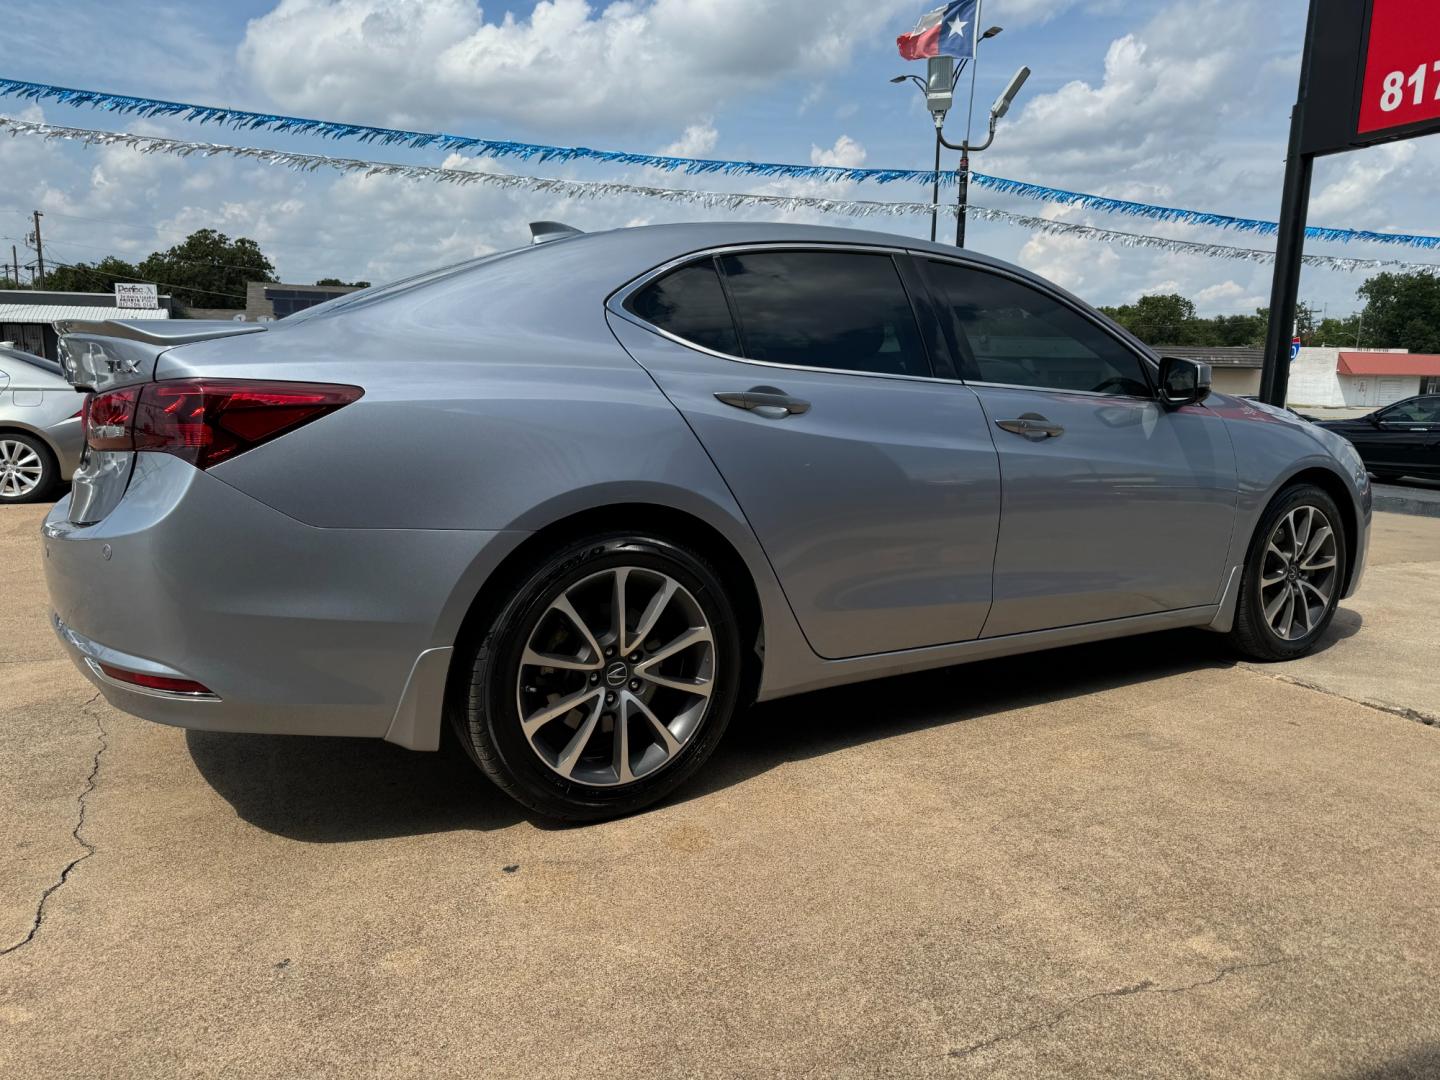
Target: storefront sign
(130,295)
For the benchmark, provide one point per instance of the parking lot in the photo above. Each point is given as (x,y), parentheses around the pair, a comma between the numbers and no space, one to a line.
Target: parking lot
(1136,859)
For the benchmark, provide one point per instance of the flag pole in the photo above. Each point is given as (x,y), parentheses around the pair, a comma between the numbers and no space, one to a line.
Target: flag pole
(962,179)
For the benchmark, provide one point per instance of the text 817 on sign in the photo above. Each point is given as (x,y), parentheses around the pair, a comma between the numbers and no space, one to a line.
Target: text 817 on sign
(1402,65)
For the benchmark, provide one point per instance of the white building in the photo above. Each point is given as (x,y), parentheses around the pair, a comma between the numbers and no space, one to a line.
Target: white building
(28,316)
(1346,378)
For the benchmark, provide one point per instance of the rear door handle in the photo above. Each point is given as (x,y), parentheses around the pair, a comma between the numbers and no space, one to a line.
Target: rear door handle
(766,401)
(1033,426)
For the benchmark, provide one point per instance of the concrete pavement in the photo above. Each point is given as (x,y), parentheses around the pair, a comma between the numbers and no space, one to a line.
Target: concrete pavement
(1133,860)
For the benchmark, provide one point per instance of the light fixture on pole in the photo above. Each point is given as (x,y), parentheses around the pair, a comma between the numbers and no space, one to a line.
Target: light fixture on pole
(997,112)
(938,86)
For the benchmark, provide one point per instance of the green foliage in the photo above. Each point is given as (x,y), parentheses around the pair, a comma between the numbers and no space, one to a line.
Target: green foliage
(348,284)
(208,269)
(1170,319)
(90,277)
(1338,332)
(1402,311)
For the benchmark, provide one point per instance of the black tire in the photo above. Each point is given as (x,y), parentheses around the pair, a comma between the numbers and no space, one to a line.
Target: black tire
(487,716)
(49,470)
(1252,634)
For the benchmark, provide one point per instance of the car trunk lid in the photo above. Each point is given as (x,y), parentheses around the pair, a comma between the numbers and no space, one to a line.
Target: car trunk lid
(107,355)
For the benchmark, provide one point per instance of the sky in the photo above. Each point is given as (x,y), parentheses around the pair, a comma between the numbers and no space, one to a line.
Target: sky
(1179,102)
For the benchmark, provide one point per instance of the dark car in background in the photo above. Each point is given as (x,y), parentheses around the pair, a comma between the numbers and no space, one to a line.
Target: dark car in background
(1399,440)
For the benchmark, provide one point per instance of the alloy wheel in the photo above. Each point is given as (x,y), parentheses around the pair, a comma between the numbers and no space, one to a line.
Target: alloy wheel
(20,469)
(616,676)
(1298,572)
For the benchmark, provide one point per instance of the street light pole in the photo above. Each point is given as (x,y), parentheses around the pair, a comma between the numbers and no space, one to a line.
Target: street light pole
(935,188)
(939,90)
(997,111)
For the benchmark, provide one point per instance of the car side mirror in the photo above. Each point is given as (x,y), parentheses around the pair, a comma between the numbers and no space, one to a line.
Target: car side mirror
(1183,381)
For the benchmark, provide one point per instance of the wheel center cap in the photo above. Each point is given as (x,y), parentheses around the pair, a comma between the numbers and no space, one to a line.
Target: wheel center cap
(617,674)
(1294,572)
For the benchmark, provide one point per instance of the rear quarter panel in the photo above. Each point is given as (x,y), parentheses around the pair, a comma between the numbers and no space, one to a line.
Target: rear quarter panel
(488,407)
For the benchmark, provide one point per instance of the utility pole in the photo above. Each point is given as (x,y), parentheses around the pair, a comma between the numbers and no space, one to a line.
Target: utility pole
(15,258)
(39,251)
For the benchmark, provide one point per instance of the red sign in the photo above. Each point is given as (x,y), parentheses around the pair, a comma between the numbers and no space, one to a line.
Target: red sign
(1402,67)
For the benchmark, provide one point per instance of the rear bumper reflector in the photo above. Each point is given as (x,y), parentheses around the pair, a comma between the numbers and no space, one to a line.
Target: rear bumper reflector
(161,683)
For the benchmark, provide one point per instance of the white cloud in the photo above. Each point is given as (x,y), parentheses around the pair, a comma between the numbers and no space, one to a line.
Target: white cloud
(698,140)
(1352,194)
(569,66)
(1222,294)
(846,153)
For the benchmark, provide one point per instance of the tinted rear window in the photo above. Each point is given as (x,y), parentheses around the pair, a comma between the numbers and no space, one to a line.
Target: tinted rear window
(690,304)
(828,309)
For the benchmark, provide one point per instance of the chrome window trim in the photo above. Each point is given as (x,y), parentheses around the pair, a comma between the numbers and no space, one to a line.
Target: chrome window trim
(1059,390)
(615,304)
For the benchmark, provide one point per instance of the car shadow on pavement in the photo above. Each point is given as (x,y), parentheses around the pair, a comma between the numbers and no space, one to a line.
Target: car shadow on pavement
(335,790)
(1419,1063)
(829,720)
(330,790)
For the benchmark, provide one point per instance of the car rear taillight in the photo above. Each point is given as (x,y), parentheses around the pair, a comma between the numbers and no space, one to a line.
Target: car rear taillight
(206,421)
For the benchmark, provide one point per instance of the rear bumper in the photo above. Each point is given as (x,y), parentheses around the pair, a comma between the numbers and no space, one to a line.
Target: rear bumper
(295,629)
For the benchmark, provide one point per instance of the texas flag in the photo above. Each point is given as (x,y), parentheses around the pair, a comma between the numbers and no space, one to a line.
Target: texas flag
(946,31)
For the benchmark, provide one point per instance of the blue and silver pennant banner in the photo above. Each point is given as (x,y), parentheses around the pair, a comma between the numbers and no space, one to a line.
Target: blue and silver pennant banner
(725,200)
(505,148)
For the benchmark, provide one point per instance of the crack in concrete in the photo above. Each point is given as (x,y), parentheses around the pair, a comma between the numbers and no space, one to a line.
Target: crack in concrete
(1145,986)
(53,887)
(1402,711)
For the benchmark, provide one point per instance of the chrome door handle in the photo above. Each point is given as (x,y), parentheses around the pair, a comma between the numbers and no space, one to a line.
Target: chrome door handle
(1033,426)
(767,401)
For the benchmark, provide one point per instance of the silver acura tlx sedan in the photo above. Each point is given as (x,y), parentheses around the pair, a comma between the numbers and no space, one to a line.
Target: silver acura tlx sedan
(582,501)
(40,432)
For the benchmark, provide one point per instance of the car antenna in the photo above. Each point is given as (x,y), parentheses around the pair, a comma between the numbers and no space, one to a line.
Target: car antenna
(542,232)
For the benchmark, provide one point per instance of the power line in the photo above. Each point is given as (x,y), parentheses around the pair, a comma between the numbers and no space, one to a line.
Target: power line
(148,281)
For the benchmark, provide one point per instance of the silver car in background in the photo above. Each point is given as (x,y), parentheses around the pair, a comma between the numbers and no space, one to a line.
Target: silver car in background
(41,433)
(583,500)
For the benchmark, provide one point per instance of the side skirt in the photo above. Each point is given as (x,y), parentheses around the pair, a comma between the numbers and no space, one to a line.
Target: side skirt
(857,669)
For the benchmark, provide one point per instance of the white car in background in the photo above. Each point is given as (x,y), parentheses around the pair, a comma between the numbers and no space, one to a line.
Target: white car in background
(41,430)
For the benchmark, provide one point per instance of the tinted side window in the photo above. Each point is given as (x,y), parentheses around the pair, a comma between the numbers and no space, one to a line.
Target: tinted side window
(829,309)
(1421,410)
(1019,336)
(690,304)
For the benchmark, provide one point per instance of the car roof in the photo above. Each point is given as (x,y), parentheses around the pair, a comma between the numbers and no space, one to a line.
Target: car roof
(44,364)
(678,237)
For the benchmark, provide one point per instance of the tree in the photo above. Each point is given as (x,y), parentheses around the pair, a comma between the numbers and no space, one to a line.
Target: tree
(1344,331)
(1159,320)
(90,277)
(1402,311)
(208,269)
(347,284)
